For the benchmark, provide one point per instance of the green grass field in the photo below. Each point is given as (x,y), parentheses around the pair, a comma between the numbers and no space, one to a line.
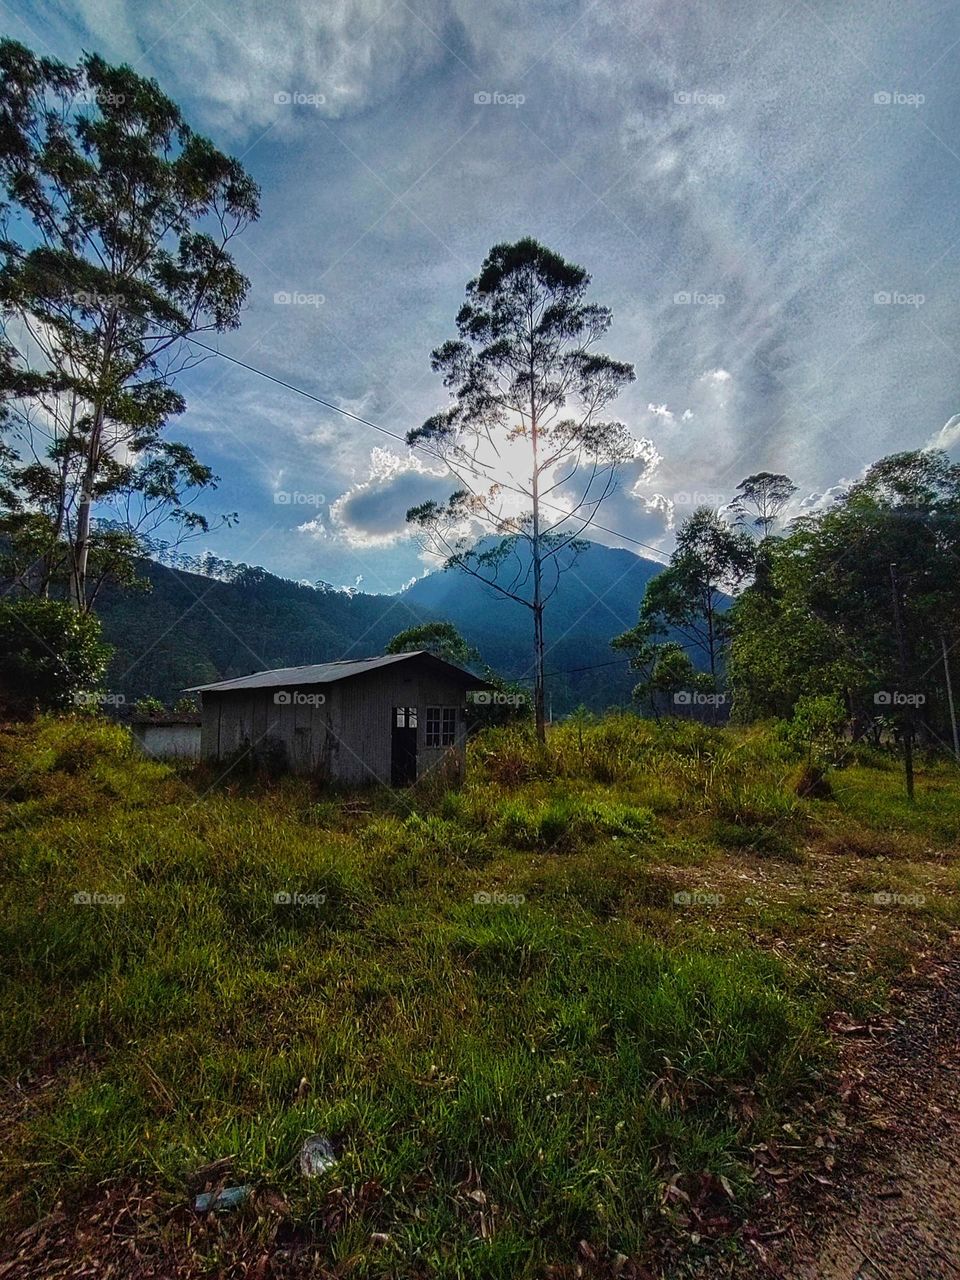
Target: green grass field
(521,1011)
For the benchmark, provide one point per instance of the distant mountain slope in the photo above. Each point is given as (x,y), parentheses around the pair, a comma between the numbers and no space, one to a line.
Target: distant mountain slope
(190,628)
(597,598)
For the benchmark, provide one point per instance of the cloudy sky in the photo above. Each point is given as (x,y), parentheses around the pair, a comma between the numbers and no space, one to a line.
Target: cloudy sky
(764,193)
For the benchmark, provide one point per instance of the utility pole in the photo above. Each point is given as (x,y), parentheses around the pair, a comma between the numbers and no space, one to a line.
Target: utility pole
(953,713)
(908,706)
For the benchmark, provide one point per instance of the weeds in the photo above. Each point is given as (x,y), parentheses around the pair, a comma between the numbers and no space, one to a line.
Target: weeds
(491,987)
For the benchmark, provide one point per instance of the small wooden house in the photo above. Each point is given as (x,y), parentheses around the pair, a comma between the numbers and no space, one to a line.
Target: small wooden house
(389,719)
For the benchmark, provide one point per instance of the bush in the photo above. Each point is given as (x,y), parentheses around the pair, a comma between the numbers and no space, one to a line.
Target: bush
(49,654)
(816,729)
(149,707)
(566,822)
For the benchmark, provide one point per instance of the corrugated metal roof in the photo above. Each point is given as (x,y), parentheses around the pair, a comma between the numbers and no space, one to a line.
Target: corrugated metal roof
(329,672)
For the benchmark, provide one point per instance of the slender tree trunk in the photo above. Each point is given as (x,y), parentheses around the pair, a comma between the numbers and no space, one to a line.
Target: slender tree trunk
(539,699)
(81,546)
(539,709)
(950,703)
(711,643)
(538,644)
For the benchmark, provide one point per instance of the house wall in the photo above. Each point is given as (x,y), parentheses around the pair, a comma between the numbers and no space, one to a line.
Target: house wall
(253,717)
(362,720)
(347,736)
(168,741)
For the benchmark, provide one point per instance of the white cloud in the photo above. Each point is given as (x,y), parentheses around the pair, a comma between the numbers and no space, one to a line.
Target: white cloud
(314,527)
(372,512)
(766,201)
(658,511)
(648,456)
(947,438)
(814,503)
(338,58)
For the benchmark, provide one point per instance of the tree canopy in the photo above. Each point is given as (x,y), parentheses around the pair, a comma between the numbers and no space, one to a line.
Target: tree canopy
(710,560)
(130,215)
(439,638)
(528,388)
(824,619)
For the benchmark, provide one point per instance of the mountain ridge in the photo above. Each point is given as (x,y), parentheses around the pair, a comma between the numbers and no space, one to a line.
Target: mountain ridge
(193,628)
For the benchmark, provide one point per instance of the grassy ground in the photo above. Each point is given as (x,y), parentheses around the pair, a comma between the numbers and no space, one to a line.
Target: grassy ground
(541,1010)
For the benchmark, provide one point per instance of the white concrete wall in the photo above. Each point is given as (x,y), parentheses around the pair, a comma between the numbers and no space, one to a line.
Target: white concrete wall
(168,741)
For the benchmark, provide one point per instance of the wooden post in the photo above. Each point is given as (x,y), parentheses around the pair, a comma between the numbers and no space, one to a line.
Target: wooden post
(908,706)
(953,712)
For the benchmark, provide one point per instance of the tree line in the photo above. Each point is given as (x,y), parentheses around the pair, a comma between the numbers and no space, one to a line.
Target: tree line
(854,607)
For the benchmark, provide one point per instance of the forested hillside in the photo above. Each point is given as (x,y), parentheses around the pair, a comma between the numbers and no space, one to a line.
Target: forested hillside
(188,628)
(597,598)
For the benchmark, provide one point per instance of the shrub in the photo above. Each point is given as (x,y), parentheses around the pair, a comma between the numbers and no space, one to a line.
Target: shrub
(816,729)
(813,783)
(511,756)
(149,707)
(564,822)
(49,653)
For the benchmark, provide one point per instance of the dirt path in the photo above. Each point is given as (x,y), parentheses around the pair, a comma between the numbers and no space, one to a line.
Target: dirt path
(894,1213)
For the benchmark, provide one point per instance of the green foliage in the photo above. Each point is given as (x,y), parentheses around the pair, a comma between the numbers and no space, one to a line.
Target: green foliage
(49,654)
(75,766)
(688,597)
(129,216)
(816,728)
(567,821)
(781,651)
(163,646)
(665,668)
(819,619)
(439,638)
(149,707)
(906,511)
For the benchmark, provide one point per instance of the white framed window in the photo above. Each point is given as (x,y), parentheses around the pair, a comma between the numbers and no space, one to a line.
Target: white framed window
(441,726)
(405,717)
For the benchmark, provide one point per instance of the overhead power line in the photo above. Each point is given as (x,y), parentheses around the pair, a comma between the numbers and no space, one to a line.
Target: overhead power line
(569,671)
(375,426)
(394,435)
